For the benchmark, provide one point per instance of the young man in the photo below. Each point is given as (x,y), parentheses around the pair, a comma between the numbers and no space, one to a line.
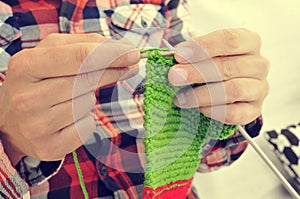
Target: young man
(43,118)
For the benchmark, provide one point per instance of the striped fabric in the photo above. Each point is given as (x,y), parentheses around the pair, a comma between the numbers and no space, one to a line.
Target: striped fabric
(112,160)
(11,185)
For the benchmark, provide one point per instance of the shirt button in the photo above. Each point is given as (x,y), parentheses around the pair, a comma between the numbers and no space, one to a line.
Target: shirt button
(104,171)
(140,89)
(144,23)
(68,27)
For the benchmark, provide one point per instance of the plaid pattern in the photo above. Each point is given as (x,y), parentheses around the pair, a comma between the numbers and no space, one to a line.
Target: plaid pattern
(11,185)
(285,143)
(9,36)
(111,160)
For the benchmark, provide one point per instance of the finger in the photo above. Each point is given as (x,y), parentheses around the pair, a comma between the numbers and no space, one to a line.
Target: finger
(236,90)
(59,39)
(41,63)
(48,121)
(69,112)
(220,69)
(240,113)
(219,43)
(61,89)
(67,140)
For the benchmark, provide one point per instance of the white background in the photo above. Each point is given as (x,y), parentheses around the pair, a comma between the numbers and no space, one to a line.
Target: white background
(278,23)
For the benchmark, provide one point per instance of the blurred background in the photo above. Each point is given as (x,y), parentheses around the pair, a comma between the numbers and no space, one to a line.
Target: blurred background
(278,23)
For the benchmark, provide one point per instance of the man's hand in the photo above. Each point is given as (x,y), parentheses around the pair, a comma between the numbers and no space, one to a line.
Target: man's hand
(229,61)
(48,94)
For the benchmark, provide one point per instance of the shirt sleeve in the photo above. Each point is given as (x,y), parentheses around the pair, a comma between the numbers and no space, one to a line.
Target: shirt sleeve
(219,153)
(12,183)
(10,35)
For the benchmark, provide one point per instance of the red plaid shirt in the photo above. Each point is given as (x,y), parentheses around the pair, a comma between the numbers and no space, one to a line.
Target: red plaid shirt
(110,160)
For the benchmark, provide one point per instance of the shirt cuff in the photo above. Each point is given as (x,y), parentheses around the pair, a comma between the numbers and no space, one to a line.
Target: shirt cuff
(11,184)
(35,172)
(254,127)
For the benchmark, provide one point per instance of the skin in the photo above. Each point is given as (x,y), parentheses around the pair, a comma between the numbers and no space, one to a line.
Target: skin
(37,118)
(241,75)
(36,99)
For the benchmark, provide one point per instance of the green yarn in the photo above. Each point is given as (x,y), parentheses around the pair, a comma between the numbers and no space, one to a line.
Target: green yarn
(173,136)
(80,176)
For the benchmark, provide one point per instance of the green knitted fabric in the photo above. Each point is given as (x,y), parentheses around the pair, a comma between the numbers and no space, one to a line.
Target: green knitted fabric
(173,136)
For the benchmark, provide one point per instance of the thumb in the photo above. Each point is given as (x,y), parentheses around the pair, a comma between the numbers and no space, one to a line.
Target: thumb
(58,39)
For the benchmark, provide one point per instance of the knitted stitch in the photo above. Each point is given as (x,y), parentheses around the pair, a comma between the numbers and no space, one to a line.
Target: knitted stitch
(173,136)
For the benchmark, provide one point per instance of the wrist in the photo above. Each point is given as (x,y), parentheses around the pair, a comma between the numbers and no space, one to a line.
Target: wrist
(11,151)
(3,108)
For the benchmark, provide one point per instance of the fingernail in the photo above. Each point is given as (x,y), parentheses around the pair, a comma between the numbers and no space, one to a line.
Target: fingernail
(133,56)
(180,99)
(178,76)
(184,53)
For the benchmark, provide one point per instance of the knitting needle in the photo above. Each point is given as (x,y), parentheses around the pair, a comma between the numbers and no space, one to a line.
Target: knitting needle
(285,183)
(170,52)
(2,70)
(163,53)
(168,45)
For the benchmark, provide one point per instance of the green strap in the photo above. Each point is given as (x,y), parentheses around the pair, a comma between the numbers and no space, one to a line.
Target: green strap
(80,176)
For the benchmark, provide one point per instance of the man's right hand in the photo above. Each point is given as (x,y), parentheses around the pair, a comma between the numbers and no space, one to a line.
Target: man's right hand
(44,83)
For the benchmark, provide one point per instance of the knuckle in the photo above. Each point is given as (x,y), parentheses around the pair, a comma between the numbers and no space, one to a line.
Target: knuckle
(231,39)
(229,69)
(22,103)
(234,90)
(81,54)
